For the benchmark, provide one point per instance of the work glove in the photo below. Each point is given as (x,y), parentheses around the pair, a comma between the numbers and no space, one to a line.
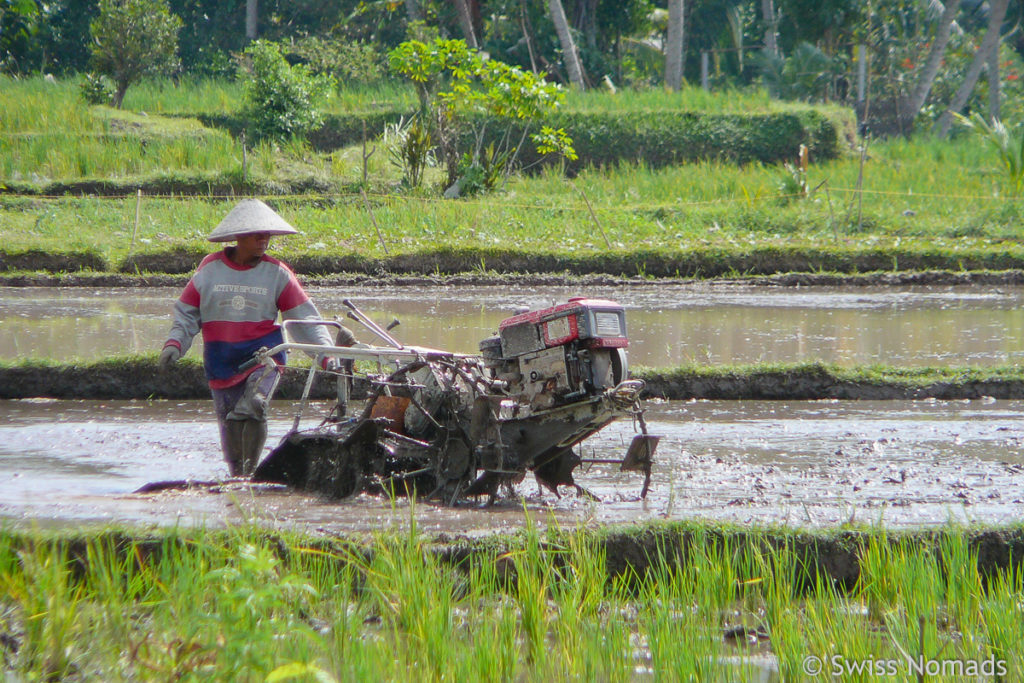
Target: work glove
(168,356)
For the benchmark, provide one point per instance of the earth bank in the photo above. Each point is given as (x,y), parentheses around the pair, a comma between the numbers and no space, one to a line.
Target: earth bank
(785,265)
(630,551)
(140,378)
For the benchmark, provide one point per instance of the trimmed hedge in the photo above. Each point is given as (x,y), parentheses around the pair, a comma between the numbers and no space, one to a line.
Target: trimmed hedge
(669,138)
(655,138)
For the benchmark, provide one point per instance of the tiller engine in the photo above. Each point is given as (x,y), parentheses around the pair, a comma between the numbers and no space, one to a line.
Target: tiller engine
(450,425)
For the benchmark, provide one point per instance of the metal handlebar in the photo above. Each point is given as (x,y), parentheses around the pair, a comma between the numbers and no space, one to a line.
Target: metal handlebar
(359,316)
(327,323)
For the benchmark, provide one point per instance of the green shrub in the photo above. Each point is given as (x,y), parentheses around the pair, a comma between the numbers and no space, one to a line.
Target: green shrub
(281,101)
(96,89)
(347,62)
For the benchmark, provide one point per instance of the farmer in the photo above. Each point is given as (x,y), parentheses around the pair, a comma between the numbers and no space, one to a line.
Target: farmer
(234,298)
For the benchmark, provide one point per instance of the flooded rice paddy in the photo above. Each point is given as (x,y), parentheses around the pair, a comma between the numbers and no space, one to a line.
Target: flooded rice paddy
(668,324)
(820,463)
(802,463)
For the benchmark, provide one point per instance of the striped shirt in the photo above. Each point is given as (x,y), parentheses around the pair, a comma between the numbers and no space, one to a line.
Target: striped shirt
(236,309)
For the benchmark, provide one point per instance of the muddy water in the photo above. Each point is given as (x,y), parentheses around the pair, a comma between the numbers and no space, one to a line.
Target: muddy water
(668,324)
(798,463)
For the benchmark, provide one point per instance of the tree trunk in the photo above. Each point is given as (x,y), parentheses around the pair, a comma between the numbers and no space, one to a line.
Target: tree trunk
(572,58)
(994,88)
(412,10)
(996,14)
(252,16)
(466,22)
(674,45)
(931,67)
(590,23)
(119,90)
(527,36)
(768,14)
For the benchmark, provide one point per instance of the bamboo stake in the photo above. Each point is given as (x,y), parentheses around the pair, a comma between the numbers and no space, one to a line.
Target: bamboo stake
(592,214)
(374,221)
(135,230)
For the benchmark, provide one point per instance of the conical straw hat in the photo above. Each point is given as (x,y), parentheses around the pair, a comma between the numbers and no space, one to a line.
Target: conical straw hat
(249,216)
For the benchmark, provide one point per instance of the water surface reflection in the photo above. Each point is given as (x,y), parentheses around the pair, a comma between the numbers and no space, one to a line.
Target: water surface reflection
(668,324)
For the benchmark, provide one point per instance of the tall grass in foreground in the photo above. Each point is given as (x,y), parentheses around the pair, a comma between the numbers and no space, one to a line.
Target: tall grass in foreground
(240,605)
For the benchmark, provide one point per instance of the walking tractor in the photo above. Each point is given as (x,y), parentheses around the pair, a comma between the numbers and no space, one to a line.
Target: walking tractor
(449,425)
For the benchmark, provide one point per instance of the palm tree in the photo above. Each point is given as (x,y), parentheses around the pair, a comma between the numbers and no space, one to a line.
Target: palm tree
(674,45)
(252,14)
(768,14)
(931,66)
(466,22)
(572,58)
(996,14)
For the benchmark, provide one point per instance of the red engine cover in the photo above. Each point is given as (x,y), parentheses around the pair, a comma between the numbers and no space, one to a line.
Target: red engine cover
(598,322)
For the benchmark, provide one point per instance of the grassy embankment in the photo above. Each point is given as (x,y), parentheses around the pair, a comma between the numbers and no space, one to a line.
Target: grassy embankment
(679,602)
(137,377)
(925,204)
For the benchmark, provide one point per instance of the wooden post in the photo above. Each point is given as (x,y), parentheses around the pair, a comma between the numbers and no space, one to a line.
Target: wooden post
(862,76)
(366,157)
(135,230)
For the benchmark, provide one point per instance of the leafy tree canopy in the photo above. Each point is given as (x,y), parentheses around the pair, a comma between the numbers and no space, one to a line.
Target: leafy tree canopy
(134,38)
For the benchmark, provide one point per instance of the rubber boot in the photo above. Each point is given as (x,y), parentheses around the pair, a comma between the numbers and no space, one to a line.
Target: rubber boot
(254,435)
(232,444)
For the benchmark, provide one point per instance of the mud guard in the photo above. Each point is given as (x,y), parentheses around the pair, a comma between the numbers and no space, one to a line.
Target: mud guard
(556,470)
(330,464)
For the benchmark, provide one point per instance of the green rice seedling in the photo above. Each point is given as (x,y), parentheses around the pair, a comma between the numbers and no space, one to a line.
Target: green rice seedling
(782,574)
(114,575)
(918,608)
(837,633)
(588,635)
(675,629)
(878,586)
(1002,609)
(711,576)
(51,602)
(414,597)
(921,586)
(492,651)
(605,651)
(533,574)
(963,590)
